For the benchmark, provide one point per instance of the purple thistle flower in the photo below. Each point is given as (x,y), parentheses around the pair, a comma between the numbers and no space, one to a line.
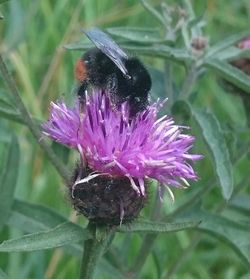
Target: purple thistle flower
(112,144)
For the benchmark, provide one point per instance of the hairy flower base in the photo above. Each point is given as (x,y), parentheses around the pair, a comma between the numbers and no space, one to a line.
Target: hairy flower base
(105,199)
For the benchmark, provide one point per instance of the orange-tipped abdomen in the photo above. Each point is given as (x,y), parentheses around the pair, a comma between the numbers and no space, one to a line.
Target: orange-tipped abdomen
(80,70)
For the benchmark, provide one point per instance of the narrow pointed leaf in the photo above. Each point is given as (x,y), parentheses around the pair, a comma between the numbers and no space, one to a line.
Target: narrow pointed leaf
(63,234)
(214,138)
(235,234)
(241,203)
(30,217)
(233,53)
(153,11)
(9,111)
(230,73)
(155,227)
(8,180)
(227,42)
(3,275)
(163,51)
(10,114)
(139,35)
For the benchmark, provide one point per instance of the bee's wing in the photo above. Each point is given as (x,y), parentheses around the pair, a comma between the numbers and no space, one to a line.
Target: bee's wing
(109,47)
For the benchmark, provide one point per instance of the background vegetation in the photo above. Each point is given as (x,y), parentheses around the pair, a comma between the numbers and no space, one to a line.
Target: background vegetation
(33,34)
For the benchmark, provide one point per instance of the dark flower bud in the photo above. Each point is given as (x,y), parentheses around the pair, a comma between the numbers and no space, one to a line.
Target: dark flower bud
(105,199)
(199,45)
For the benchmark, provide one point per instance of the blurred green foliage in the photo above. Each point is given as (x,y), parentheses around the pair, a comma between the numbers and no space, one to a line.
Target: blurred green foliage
(33,35)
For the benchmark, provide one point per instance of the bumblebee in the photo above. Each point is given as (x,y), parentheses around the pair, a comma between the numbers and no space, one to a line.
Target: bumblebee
(108,67)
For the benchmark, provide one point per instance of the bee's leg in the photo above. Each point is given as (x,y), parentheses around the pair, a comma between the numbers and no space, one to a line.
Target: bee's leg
(81,93)
(112,87)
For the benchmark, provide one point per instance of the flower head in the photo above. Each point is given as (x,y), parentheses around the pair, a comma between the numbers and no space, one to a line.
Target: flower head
(113,144)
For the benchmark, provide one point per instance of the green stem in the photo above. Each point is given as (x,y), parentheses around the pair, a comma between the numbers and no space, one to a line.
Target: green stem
(93,250)
(188,82)
(168,82)
(30,123)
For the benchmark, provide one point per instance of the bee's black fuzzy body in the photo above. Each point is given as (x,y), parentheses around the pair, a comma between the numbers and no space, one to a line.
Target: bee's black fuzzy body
(107,67)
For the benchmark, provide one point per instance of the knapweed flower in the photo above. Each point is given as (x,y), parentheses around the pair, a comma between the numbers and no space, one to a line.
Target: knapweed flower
(118,154)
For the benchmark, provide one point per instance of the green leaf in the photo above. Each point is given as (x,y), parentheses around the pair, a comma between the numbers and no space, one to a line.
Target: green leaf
(105,268)
(215,140)
(30,217)
(8,180)
(7,101)
(61,151)
(213,136)
(10,114)
(162,51)
(153,12)
(181,110)
(33,218)
(7,110)
(16,24)
(3,275)
(156,227)
(2,1)
(234,233)
(5,138)
(233,53)
(241,203)
(158,90)
(230,73)
(63,234)
(225,43)
(137,34)
(82,46)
